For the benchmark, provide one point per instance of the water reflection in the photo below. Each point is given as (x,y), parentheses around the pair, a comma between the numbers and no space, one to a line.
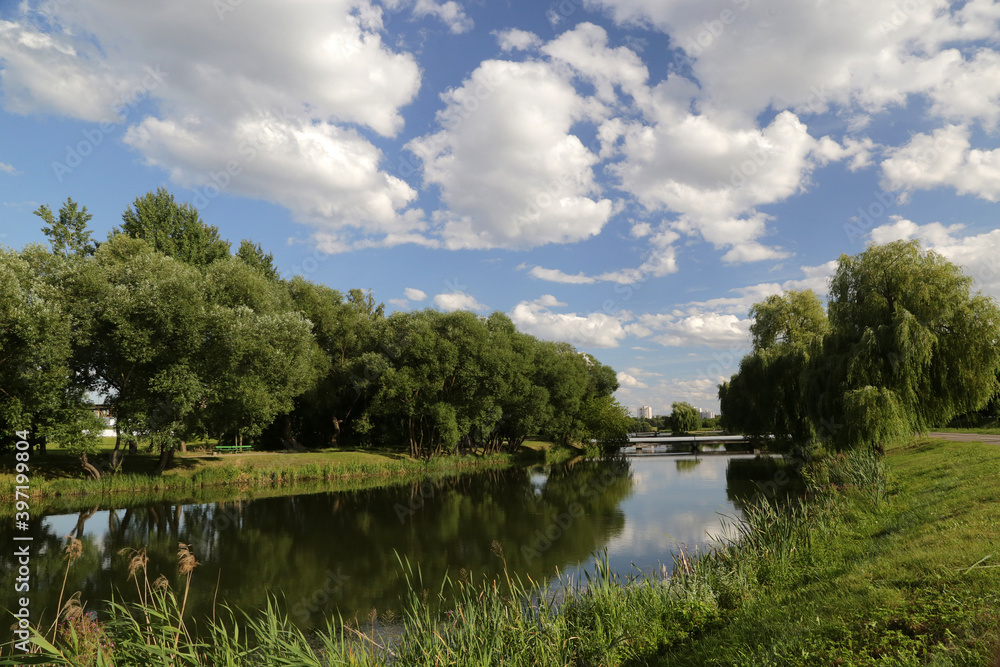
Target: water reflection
(327,552)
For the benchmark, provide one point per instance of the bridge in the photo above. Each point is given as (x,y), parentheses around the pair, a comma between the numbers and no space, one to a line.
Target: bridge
(644,442)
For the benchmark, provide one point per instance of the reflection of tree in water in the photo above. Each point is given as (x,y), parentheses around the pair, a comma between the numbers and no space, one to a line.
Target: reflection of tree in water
(686,466)
(774,478)
(337,551)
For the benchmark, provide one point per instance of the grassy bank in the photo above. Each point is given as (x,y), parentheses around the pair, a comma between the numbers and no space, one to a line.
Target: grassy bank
(55,478)
(887,563)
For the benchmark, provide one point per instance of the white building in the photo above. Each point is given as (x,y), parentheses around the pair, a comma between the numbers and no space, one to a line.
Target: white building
(707,414)
(645,412)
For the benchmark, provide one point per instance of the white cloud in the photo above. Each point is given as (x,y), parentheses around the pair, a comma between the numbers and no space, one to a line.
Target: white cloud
(977,254)
(514,39)
(944,158)
(261,100)
(592,330)
(450,12)
(510,172)
(692,329)
(457,301)
(810,57)
(626,380)
(415,294)
(715,175)
(557,276)
(399,303)
(8,169)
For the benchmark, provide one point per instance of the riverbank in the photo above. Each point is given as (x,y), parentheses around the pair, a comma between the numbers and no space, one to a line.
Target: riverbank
(56,482)
(888,562)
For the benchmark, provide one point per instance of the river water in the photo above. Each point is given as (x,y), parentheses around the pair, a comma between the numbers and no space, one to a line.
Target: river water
(329,552)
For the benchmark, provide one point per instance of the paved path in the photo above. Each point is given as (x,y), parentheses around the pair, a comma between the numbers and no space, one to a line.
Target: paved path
(967,437)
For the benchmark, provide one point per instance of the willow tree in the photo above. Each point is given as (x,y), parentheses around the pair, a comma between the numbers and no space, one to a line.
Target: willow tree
(765,397)
(910,346)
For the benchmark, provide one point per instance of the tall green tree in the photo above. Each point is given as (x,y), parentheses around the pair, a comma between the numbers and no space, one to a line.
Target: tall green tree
(176,230)
(684,417)
(147,327)
(68,235)
(765,397)
(253,255)
(35,349)
(345,328)
(258,353)
(910,346)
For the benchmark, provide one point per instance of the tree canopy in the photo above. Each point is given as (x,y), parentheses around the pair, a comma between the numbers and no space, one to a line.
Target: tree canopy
(184,339)
(907,347)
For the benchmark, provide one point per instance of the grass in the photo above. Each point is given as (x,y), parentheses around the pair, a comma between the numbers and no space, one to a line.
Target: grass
(887,562)
(56,477)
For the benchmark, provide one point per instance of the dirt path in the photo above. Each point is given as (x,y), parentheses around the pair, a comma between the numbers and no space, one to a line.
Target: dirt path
(967,437)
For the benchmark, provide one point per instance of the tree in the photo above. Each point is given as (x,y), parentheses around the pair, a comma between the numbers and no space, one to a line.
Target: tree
(345,328)
(174,229)
(68,235)
(35,347)
(258,353)
(684,417)
(909,347)
(608,422)
(253,255)
(147,326)
(764,399)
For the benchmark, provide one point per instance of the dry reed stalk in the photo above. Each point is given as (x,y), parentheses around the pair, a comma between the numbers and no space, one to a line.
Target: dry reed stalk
(185,564)
(73,550)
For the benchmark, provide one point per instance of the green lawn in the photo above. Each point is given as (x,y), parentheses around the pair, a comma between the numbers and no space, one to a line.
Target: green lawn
(911,581)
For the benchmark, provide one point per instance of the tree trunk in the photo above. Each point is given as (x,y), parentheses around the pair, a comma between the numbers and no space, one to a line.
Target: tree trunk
(166,458)
(184,447)
(88,469)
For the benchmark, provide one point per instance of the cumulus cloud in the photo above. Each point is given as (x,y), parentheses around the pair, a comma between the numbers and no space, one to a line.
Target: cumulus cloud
(265,100)
(943,158)
(457,301)
(8,169)
(414,294)
(626,380)
(591,330)
(977,254)
(451,13)
(692,329)
(517,40)
(510,171)
(810,57)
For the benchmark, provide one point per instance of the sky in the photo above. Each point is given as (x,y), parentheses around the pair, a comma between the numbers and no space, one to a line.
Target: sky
(629,176)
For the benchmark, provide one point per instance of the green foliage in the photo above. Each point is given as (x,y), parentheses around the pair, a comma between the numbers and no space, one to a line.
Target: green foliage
(906,347)
(174,229)
(68,235)
(684,418)
(35,346)
(765,397)
(253,255)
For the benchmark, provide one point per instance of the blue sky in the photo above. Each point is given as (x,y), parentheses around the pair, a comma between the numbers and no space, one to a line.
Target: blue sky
(627,175)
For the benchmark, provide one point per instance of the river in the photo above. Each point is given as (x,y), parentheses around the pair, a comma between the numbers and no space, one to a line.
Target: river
(329,552)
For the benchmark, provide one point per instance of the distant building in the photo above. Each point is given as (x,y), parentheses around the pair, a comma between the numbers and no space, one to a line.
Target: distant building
(645,412)
(707,414)
(103,411)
